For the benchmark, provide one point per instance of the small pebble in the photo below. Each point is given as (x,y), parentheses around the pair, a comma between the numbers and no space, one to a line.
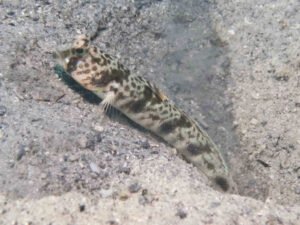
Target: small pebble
(143,200)
(106,193)
(144,192)
(264,123)
(90,144)
(145,144)
(3,110)
(98,137)
(112,222)
(297,190)
(43,176)
(108,159)
(73,158)
(181,214)
(255,95)
(125,170)
(21,153)
(94,168)
(254,121)
(102,165)
(94,175)
(297,101)
(124,196)
(134,188)
(82,141)
(215,204)
(98,127)
(82,208)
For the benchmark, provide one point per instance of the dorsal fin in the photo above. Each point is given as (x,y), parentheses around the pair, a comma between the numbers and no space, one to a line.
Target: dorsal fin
(158,92)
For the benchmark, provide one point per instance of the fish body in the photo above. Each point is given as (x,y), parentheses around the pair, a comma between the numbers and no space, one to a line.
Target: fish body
(143,103)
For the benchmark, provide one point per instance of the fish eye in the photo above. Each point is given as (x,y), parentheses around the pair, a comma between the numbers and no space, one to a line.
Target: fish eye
(79,50)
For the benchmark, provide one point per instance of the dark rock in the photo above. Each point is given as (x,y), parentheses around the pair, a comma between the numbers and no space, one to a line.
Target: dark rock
(134,188)
(145,144)
(125,170)
(98,137)
(297,190)
(112,222)
(181,214)
(3,110)
(21,153)
(144,192)
(215,204)
(264,123)
(143,200)
(90,144)
(82,208)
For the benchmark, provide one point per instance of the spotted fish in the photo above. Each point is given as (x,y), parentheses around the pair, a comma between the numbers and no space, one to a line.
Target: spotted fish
(143,103)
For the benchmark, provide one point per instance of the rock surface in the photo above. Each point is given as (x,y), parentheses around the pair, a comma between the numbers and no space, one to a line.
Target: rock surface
(233,66)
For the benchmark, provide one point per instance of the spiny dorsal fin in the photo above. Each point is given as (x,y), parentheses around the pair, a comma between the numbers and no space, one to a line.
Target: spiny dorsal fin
(158,92)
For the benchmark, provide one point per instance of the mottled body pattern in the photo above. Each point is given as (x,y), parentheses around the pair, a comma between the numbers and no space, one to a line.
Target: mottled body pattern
(146,105)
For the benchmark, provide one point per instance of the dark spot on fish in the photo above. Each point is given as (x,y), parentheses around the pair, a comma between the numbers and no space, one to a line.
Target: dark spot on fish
(79,50)
(96,82)
(86,42)
(95,50)
(72,65)
(154,117)
(147,93)
(167,127)
(108,56)
(120,96)
(193,149)
(96,60)
(115,90)
(164,112)
(184,121)
(209,165)
(120,66)
(138,106)
(222,182)
(127,72)
(180,137)
(197,149)
(105,77)
(104,61)
(139,78)
(126,88)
